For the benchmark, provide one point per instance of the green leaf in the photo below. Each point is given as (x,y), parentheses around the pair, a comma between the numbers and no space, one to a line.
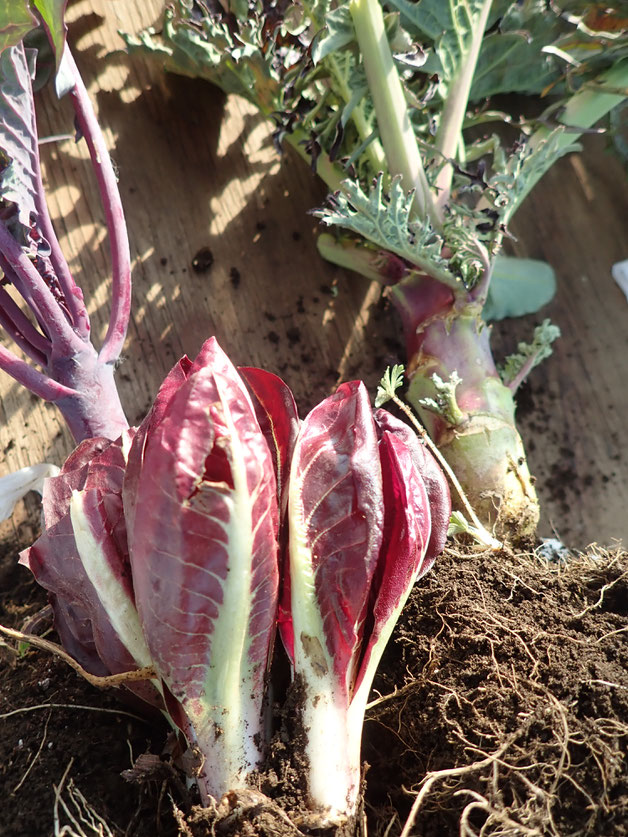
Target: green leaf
(509,62)
(338,33)
(528,355)
(458,524)
(52,14)
(387,221)
(444,403)
(209,50)
(389,384)
(518,287)
(16,21)
(448,23)
(512,59)
(469,256)
(619,131)
(525,167)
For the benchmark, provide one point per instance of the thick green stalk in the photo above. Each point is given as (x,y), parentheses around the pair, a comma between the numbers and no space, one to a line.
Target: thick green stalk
(374,150)
(393,120)
(455,107)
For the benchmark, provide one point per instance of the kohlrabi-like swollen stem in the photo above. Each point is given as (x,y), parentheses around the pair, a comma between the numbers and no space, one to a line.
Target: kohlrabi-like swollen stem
(477,529)
(393,120)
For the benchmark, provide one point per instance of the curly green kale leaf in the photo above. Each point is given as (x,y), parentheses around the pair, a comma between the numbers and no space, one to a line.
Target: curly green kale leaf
(385,218)
(517,366)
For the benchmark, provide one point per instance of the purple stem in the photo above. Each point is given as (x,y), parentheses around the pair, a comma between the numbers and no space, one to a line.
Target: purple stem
(73,297)
(14,280)
(61,333)
(32,379)
(21,329)
(114,215)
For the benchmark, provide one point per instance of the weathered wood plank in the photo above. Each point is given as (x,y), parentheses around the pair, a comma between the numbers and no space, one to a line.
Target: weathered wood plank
(573,412)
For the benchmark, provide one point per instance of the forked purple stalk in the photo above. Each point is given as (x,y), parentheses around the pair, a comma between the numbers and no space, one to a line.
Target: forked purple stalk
(56,335)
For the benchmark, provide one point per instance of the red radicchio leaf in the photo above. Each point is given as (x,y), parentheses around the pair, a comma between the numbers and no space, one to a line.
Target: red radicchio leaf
(83,624)
(204,554)
(359,525)
(171,383)
(278,419)
(336,519)
(406,534)
(100,535)
(58,490)
(434,479)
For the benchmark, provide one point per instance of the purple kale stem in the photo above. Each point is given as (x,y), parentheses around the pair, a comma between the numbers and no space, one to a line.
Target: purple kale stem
(78,382)
(20,328)
(62,336)
(72,295)
(77,378)
(73,298)
(13,279)
(114,214)
(32,379)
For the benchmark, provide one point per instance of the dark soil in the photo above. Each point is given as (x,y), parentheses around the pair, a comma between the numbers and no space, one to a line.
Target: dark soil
(501,708)
(512,682)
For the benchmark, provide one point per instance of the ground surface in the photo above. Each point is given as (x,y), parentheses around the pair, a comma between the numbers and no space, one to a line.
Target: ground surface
(197,173)
(508,673)
(492,663)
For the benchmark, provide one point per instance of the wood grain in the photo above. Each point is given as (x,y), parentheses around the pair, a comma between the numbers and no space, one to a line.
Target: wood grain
(197,171)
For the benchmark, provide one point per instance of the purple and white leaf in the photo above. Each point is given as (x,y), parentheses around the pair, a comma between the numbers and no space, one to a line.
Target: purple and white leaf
(81,618)
(336,520)
(434,479)
(359,528)
(204,561)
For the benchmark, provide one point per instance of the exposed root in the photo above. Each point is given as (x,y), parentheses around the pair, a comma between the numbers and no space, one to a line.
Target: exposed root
(438,775)
(37,706)
(109,681)
(496,741)
(243,811)
(34,759)
(83,820)
(603,591)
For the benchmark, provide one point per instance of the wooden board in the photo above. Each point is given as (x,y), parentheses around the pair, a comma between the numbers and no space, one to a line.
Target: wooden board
(197,171)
